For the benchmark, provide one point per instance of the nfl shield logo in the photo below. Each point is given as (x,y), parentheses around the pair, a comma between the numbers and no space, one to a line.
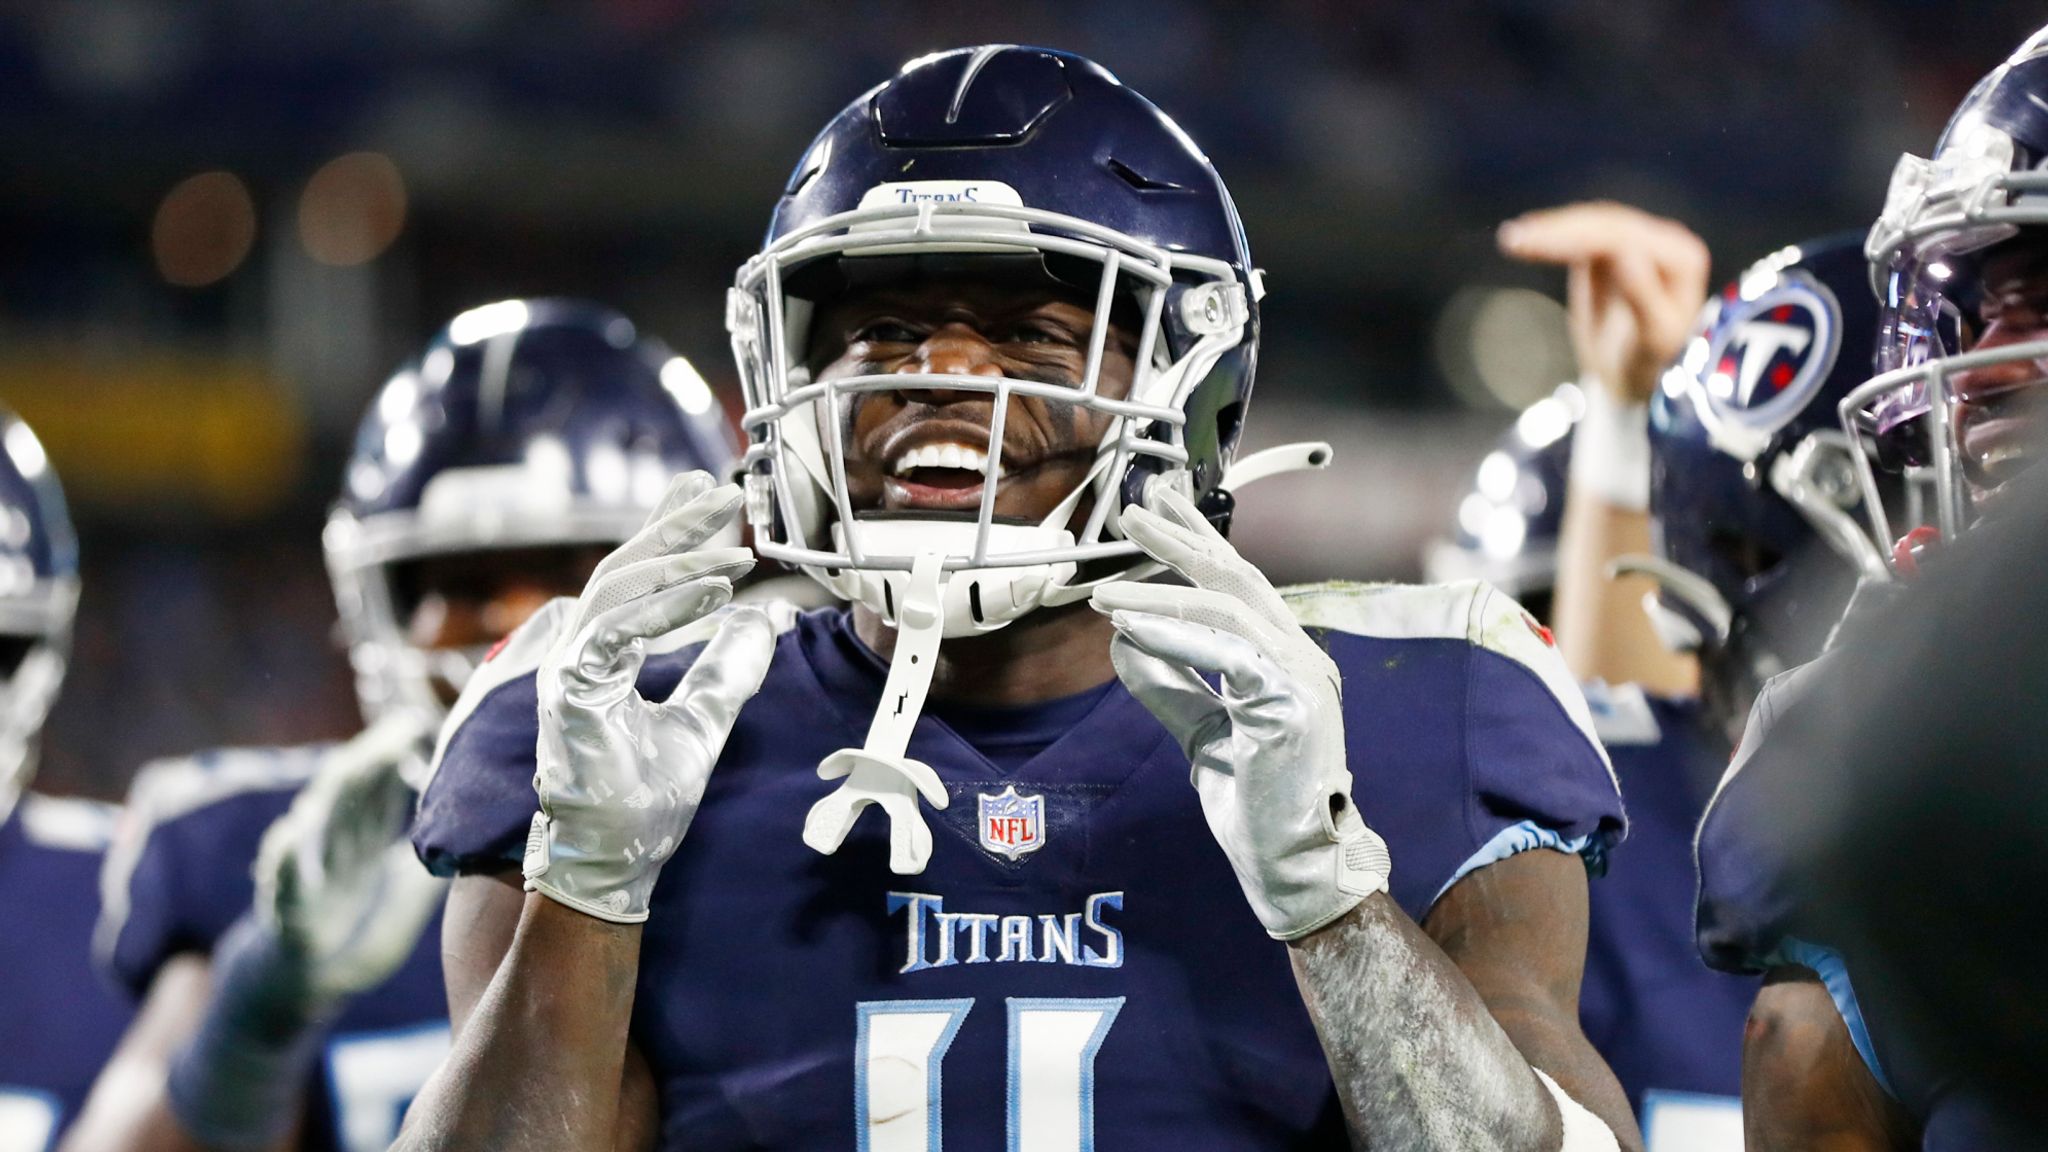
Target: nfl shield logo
(1012,825)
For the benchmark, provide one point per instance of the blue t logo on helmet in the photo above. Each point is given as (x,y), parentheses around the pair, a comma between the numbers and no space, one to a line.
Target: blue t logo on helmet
(1754,492)
(1766,354)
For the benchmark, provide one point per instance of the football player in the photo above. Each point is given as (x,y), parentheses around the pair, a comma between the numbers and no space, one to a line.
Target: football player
(58,1021)
(997,353)
(1748,492)
(1960,261)
(296,1002)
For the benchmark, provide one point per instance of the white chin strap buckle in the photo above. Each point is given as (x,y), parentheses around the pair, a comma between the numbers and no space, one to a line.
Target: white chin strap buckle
(879,772)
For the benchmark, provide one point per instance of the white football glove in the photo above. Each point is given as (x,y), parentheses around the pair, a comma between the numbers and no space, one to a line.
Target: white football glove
(619,777)
(1268,752)
(336,881)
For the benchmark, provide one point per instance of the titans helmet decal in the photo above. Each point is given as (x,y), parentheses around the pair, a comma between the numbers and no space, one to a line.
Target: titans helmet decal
(1767,355)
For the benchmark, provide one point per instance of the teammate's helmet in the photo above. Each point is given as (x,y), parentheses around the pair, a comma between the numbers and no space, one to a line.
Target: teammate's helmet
(1985,189)
(525,423)
(38,598)
(1754,496)
(1000,161)
(1506,528)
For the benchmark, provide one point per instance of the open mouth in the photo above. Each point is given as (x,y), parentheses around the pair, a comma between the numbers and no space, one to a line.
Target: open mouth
(1997,450)
(941,476)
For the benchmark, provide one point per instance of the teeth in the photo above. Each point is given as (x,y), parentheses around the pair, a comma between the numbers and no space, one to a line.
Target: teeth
(943,456)
(2003,453)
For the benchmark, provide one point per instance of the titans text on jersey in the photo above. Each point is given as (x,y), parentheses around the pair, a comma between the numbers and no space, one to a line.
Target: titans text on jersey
(179,876)
(1077,957)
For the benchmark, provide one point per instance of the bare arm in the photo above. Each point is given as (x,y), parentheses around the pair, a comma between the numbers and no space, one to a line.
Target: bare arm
(129,1109)
(1432,1037)
(540,997)
(1601,627)
(1634,283)
(1804,1086)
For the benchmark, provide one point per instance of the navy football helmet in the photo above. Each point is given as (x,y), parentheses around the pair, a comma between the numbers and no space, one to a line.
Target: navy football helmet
(38,599)
(1754,492)
(999,161)
(1945,382)
(524,423)
(1506,528)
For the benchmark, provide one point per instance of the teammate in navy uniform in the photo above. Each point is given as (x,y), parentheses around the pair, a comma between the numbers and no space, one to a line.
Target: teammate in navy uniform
(58,1021)
(1961,265)
(263,901)
(1752,508)
(997,353)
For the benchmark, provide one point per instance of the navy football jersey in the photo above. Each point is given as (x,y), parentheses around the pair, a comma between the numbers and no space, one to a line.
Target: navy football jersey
(1669,1026)
(1752,916)
(180,875)
(58,1021)
(1077,959)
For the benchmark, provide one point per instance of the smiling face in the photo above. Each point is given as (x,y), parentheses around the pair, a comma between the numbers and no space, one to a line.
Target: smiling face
(1998,407)
(927,449)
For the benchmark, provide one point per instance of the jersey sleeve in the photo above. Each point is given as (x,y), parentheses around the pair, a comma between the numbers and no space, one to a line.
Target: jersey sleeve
(1751,913)
(178,871)
(1747,903)
(479,798)
(1472,735)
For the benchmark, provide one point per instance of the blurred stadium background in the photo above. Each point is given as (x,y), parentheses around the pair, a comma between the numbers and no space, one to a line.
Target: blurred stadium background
(226,220)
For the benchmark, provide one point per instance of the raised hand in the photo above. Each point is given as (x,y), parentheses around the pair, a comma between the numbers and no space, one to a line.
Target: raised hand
(619,777)
(1267,750)
(336,881)
(1635,284)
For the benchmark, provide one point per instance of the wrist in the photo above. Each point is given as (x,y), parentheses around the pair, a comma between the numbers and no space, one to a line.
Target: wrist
(237,1083)
(1610,458)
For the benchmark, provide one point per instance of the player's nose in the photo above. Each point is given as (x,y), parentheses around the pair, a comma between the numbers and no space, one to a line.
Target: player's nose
(954,350)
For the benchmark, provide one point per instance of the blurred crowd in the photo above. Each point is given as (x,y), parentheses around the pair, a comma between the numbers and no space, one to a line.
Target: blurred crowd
(622,149)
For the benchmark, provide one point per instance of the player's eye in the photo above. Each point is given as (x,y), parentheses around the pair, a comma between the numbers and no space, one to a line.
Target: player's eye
(885,332)
(1043,333)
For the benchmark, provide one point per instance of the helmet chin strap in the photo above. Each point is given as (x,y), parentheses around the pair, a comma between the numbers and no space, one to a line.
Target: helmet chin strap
(1678,632)
(880,771)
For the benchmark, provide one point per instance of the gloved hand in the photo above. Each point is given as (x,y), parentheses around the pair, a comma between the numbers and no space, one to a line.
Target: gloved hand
(337,884)
(619,777)
(1268,752)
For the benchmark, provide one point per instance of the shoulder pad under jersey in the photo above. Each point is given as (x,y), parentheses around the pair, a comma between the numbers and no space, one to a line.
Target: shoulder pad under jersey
(1468,610)
(67,823)
(166,790)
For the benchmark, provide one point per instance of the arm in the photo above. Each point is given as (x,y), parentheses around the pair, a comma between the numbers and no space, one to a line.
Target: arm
(226,1043)
(129,1109)
(1419,1058)
(1635,282)
(1804,1086)
(541,983)
(1434,1037)
(540,1057)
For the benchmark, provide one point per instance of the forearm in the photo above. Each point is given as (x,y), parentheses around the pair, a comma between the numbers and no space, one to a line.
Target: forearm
(1601,627)
(1803,1084)
(1418,1060)
(540,1062)
(129,1109)
(238,1084)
